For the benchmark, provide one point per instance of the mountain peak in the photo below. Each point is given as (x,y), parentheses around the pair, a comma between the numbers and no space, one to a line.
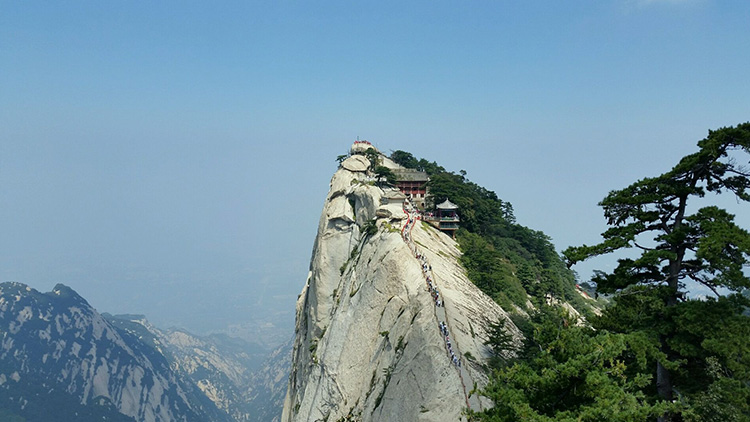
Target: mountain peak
(69,295)
(387,313)
(63,290)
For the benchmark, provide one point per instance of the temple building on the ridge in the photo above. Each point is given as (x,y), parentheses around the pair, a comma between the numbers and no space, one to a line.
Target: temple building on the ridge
(413,184)
(445,218)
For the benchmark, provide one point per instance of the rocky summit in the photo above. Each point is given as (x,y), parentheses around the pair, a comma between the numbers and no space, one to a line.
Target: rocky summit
(389,327)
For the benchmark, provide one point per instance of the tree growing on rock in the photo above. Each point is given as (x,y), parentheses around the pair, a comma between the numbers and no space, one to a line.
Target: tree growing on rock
(374,157)
(385,175)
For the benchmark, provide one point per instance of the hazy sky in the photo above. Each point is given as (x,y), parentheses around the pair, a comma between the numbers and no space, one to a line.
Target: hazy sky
(172,158)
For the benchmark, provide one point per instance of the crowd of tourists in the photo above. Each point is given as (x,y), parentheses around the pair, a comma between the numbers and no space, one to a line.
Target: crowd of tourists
(413,215)
(444,330)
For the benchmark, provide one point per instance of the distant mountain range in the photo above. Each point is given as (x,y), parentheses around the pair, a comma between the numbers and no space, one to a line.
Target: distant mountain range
(60,360)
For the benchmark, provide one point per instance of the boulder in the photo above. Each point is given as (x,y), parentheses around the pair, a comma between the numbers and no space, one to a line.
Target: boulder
(356,163)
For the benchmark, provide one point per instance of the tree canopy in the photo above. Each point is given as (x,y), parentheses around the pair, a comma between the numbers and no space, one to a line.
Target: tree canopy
(679,243)
(654,353)
(570,372)
(408,160)
(506,260)
(706,246)
(384,174)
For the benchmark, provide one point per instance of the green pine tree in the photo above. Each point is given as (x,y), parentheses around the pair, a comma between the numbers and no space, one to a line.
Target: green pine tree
(701,363)
(567,371)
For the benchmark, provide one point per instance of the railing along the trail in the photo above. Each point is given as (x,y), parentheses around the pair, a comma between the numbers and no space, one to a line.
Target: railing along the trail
(406,231)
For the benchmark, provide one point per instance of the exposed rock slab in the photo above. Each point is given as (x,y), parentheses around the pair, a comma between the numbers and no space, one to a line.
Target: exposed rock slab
(367,342)
(356,163)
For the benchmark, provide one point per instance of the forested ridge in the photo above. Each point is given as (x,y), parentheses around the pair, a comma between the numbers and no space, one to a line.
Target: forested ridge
(654,353)
(511,263)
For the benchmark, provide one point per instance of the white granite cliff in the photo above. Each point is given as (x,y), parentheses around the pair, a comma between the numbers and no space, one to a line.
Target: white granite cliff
(368,346)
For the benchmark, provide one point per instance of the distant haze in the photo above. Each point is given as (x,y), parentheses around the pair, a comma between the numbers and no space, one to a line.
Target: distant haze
(172,159)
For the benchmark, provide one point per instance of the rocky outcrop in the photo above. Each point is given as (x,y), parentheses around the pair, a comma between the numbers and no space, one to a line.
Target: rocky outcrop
(356,163)
(368,345)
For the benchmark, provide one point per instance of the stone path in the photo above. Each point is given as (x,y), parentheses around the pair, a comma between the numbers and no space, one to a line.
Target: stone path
(440,312)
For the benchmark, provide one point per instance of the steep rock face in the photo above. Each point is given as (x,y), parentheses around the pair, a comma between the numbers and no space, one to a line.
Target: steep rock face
(367,344)
(55,344)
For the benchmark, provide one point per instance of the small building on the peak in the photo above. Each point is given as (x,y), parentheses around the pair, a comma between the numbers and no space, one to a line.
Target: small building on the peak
(359,147)
(393,197)
(413,184)
(445,217)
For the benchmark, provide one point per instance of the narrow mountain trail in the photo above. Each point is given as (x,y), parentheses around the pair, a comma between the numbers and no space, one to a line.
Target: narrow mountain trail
(452,350)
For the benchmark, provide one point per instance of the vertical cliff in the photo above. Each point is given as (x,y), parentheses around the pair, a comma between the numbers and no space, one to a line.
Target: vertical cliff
(369,345)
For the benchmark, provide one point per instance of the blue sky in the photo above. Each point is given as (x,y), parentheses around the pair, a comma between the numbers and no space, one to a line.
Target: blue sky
(172,159)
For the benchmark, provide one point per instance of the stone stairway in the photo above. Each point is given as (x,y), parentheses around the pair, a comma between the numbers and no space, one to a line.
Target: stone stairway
(452,351)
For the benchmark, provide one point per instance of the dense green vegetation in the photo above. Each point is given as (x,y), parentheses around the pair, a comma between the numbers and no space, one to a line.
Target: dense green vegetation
(654,354)
(385,175)
(506,260)
(567,372)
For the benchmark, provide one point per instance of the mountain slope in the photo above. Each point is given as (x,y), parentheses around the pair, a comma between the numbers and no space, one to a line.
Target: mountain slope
(267,387)
(59,357)
(230,372)
(368,343)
